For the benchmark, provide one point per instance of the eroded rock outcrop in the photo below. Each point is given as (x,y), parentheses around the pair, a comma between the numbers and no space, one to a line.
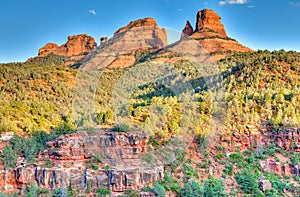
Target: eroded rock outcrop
(211,35)
(102,159)
(146,22)
(257,139)
(208,19)
(120,51)
(188,30)
(75,45)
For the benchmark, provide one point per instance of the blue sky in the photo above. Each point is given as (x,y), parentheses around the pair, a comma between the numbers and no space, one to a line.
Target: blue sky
(27,25)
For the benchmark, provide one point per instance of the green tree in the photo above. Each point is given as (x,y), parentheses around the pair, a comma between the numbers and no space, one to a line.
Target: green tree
(213,187)
(191,189)
(159,190)
(247,181)
(9,157)
(102,192)
(32,190)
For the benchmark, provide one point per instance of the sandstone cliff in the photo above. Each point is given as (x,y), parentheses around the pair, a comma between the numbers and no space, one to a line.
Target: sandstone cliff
(120,51)
(70,53)
(208,19)
(75,45)
(211,35)
(102,159)
(115,160)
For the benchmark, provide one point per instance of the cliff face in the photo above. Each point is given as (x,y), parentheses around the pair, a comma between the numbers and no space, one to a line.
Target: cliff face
(253,139)
(70,53)
(208,19)
(102,159)
(75,45)
(115,160)
(211,35)
(120,51)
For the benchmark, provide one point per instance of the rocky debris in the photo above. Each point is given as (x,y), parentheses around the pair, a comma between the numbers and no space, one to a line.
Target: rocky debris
(265,184)
(286,139)
(75,45)
(187,31)
(208,19)
(270,165)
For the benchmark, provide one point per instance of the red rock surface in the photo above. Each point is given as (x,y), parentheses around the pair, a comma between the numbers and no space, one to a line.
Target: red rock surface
(150,22)
(187,31)
(120,164)
(118,52)
(209,19)
(211,35)
(75,45)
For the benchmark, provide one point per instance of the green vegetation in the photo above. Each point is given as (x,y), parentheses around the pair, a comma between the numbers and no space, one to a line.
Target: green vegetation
(260,88)
(50,60)
(248,181)
(28,147)
(34,97)
(213,188)
(101,192)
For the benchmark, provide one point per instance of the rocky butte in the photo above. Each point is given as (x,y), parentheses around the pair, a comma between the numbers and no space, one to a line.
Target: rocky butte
(144,35)
(211,35)
(75,49)
(123,49)
(75,45)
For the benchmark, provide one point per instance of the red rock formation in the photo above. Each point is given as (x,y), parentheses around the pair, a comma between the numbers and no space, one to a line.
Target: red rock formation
(103,40)
(75,45)
(69,156)
(211,35)
(150,22)
(118,52)
(187,31)
(209,19)
(47,48)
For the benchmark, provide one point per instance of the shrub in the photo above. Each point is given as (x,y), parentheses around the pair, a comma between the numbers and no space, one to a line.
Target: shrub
(213,187)
(228,169)
(159,190)
(191,189)
(130,193)
(102,192)
(237,158)
(9,157)
(247,181)
(295,158)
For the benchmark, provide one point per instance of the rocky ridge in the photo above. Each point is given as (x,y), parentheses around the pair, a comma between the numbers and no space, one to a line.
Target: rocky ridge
(140,35)
(208,19)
